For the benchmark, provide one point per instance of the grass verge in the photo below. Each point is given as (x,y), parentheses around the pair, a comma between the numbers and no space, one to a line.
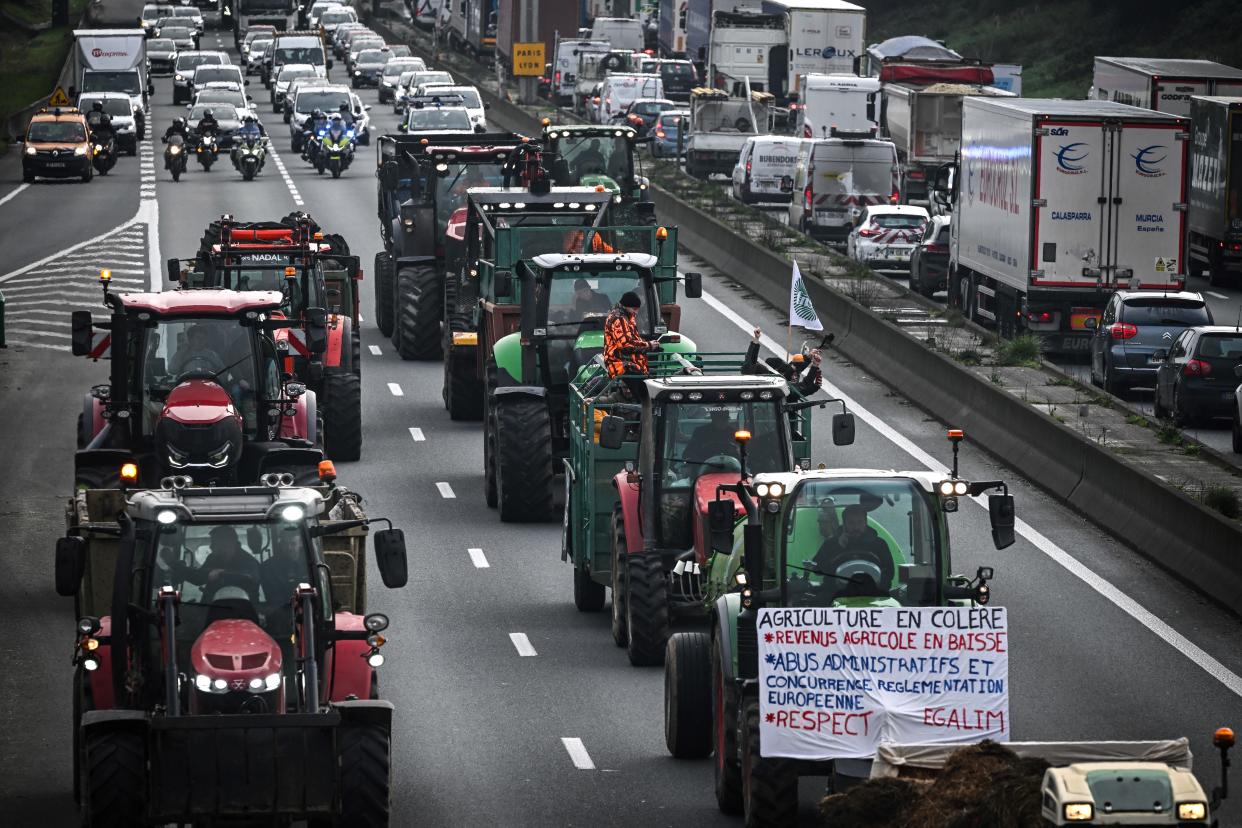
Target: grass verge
(30,65)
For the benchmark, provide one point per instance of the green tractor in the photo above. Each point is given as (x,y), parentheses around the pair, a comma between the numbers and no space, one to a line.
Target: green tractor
(640,478)
(422,181)
(593,155)
(793,546)
(527,312)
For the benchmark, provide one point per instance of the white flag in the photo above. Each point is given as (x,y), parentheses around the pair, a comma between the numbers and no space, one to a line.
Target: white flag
(801,311)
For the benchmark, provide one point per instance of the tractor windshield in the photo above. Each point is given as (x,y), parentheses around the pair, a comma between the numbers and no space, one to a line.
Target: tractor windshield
(578,156)
(575,304)
(267,271)
(860,539)
(450,188)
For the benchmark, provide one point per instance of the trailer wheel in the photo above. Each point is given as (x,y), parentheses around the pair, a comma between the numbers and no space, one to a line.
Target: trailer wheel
(383,293)
(342,415)
(523,455)
(619,551)
(769,786)
(588,595)
(366,776)
(728,770)
(418,312)
(462,391)
(688,695)
(114,778)
(646,609)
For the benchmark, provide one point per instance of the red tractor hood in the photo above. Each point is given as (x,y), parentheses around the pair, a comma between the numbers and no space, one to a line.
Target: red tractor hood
(199,402)
(235,650)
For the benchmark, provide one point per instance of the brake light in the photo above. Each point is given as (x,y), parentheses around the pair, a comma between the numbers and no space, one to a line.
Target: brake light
(748,168)
(806,131)
(659,133)
(868,232)
(808,198)
(1039,316)
(894,197)
(557,75)
(1122,330)
(915,175)
(1197,368)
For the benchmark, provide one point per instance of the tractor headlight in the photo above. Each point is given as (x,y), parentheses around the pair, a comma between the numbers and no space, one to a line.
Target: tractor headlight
(292,513)
(954,488)
(272,681)
(256,684)
(376,659)
(91,664)
(166,517)
(1191,811)
(1078,811)
(762,489)
(220,456)
(203,683)
(177,459)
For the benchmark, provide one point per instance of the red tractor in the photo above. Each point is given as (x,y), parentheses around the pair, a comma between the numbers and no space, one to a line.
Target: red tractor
(315,275)
(196,389)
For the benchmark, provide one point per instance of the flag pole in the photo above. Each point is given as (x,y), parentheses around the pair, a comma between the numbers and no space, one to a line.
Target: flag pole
(789,341)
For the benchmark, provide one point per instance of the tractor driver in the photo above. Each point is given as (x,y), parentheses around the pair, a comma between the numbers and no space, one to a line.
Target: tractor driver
(713,438)
(196,354)
(853,540)
(591,160)
(587,300)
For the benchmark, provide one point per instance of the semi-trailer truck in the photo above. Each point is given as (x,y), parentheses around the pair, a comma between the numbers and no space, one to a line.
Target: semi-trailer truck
(746,45)
(1165,85)
(823,35)
(1214,217)
(1056,205)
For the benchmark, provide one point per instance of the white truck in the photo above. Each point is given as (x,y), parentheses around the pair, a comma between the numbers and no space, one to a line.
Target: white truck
(746,46)
(925,122)
(565,69)
(1056,205)
(1164,85)
(719,127)
(823,36)
(842,102)
(113,60)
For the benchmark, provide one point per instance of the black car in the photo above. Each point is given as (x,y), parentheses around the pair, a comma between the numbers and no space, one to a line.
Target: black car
(1195,378)
(1136,324)
(369,67)
(929,261)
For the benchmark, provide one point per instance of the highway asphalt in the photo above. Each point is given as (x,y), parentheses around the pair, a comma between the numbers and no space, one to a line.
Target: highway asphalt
(493,672)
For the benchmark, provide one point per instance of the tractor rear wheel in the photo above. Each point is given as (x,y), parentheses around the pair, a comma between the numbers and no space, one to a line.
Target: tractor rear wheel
(728,770)
(620,633)
(523,459)
(342,415)
(383,293)
(646,609)
(769,786)
(366,776)
(462,392)
(355,348)
(688,695)
(114,778)
(588,594)
(489,437)
(418,312)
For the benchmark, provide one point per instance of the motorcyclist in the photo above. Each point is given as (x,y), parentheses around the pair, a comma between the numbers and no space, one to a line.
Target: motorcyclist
(177,127)
(100,125)
(317,122)
(347,115)
(251,129)
(207,125)
(336,126)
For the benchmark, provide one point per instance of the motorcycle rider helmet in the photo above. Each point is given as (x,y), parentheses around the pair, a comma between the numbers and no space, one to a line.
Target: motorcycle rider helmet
(97,106)
(178,123)
(209,114)
(317,115)
(344,107)
(336,118)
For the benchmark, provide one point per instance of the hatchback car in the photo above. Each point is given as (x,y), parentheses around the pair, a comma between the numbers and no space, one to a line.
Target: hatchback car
(664,140)
(183,71)
(1195,378)
(184,38)
(369,67)
(886,235)
(287,75)
(391,75)
(644,112)
(1134,325)
(161,55)
(929,261)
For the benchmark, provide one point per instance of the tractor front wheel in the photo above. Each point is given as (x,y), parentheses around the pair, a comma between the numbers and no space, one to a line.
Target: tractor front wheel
(366,776)
(688,695)
(646,609)
(418,312)
(114,778)
(342,415)
(728,770)
(383,293)
(769,786)
(620,633)
(523,459)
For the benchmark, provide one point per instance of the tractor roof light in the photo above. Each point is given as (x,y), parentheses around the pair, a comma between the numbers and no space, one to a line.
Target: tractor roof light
(291,272)
(129,472)
(327,471)
(293,512)
(662,233)
(741,435)
(1223,737)
(105,276)
(546,122)
(166,517)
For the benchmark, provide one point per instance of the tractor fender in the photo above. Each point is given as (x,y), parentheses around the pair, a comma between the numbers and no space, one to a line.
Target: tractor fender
(100,679)
(303,424)
(412,261)
(724,624)
(627,496)
(507,352)
(684,345)
(365,711)
(520,391)
(337,355)
(348,672)
(119,718)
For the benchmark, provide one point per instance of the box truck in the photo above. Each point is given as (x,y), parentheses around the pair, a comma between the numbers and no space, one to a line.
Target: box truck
(568,57)
(113,60)
(824,36)
(743,46)
(1214,217)
(1057,205)
(1165,85)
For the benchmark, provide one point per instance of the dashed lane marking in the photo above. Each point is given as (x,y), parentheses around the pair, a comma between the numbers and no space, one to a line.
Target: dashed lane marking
(395,389)
(13,193)
(1211,293)
(284,173)
(446,491)
(375,350)
(523,646)
(417,434)
(478,558)
(578,753)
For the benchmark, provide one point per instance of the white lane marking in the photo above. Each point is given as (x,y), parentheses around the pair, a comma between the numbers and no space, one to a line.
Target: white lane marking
(578,753)
(478,558)
(284,173)
(13,193)
(44,345)
(522,644)
(1211,293)
(417,434)
(1119,599)
(375,350)
(446,491)
(62,290)
(43,332)
(149,211)
(13,274)
(395,389)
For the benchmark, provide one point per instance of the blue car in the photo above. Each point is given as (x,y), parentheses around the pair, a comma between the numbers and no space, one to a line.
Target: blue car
(664,133)
(1135,324)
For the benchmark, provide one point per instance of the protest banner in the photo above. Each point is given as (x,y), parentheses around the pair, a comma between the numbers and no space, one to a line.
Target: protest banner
(835,682)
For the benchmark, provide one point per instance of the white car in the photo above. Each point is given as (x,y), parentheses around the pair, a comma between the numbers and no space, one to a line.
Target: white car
(437,119)
(288,73)
(224,92)
(119,107)
(410,81)
(470,98)
(886,235)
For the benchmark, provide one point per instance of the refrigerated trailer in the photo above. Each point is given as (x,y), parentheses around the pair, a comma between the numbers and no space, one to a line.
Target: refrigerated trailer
(1214,243)
(824,36)
(1057,205)
(1165,85)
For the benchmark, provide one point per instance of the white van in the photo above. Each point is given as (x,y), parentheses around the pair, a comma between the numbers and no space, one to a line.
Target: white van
(620,90)
(765,169)
(843,102)
(835,178)
(565,70)
(621,32)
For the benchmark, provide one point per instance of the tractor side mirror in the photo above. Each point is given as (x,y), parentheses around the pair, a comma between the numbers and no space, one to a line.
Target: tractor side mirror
(390,557)
(694,285)
(611,432)
(316,330)
(843,429)
(174,270)
(720,519)
(70,565)
(82,326)
(1001,514)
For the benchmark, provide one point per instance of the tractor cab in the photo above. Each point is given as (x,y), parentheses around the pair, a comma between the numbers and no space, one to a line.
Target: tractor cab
(196,389)
(589,156)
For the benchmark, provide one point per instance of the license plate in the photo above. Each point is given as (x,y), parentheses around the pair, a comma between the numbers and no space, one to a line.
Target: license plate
(55,164)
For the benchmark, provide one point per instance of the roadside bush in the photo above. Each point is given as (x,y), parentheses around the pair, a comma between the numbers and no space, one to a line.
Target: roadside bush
(1223,499)
(1022,350)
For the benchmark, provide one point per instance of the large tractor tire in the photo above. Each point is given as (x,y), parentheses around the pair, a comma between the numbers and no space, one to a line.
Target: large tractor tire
(769,786)
(342,415)
(588,594)
(462,391)
(418,311)
(523,459)
(646,609)
(490,494)
(383,293)
(355,349)
(688,695)
(114,778)
(619,553)
(728,768)
(366,776)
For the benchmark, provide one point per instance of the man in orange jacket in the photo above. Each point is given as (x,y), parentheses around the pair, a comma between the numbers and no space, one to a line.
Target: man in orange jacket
(624,347)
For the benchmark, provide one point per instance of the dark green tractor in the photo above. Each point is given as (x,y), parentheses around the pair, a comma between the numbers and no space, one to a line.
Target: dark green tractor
(586,155)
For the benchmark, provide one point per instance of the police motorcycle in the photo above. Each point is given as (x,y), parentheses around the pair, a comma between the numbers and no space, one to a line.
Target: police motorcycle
(176,154)
(249,149)
(336,150)
(316,129)
(206,141)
